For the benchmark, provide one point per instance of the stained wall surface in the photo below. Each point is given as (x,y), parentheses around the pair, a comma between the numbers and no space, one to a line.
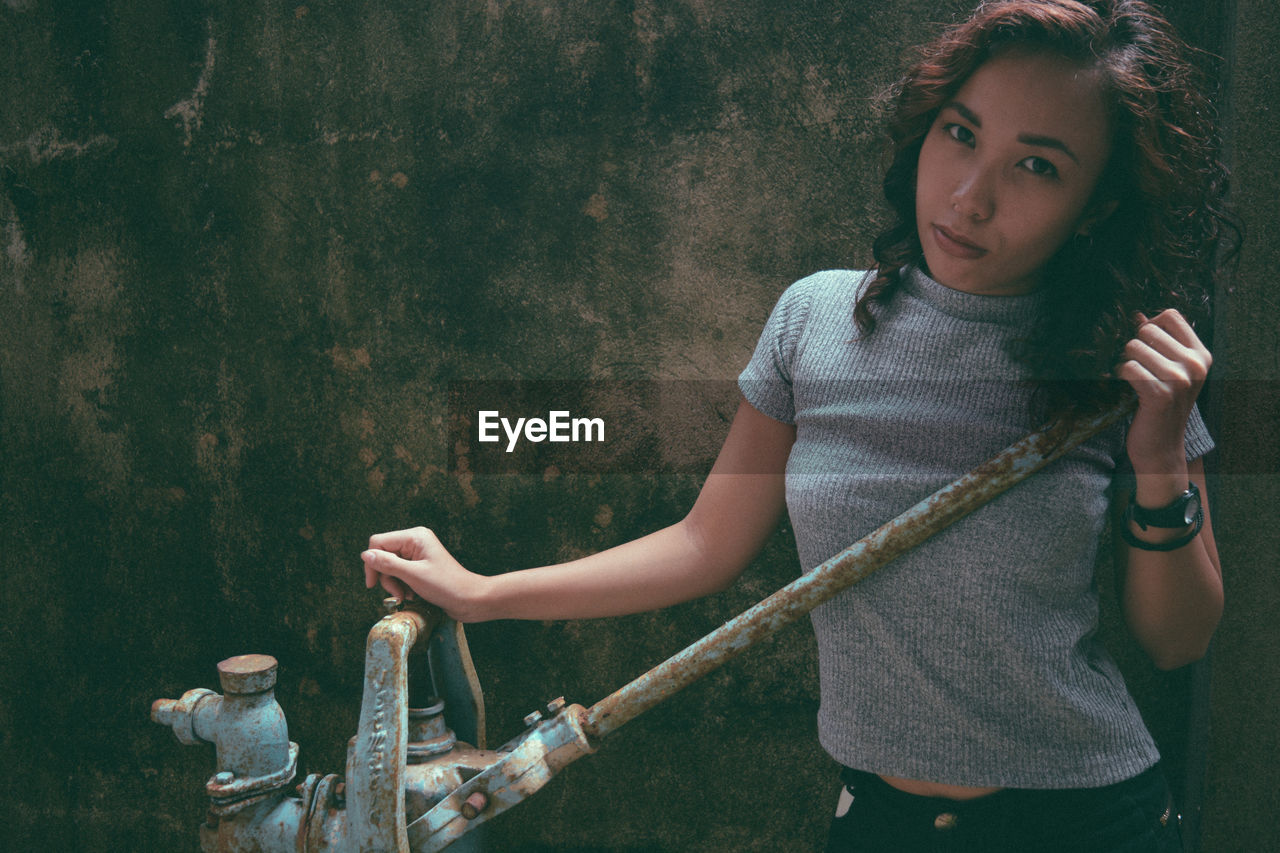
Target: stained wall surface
(251,254)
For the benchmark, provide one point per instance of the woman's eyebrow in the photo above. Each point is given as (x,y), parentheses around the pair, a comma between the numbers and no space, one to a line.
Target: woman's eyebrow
(1048,142)
(965,113)
(1025,138)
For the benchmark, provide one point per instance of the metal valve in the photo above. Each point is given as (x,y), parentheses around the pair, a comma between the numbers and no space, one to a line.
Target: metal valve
(402,762)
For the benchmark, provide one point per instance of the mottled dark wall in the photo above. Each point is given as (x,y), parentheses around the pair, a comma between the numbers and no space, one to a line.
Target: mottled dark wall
(249,248)
(1245,727)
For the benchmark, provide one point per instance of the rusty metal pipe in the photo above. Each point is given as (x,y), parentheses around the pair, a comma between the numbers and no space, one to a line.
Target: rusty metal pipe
(942,508)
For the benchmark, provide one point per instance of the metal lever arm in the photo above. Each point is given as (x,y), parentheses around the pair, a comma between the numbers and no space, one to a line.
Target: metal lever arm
(936,512)
(376,773)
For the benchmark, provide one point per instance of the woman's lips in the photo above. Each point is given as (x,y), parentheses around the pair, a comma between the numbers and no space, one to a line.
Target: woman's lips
(955,245)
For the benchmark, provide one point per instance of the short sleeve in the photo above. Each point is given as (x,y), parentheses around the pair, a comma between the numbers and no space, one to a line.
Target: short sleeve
(766,381)
(1197,440)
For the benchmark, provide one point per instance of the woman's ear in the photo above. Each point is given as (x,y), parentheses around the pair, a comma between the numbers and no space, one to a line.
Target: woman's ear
(1096,215)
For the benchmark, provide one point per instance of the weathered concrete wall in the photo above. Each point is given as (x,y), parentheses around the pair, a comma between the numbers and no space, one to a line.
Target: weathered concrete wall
(248,250)
(1245,725)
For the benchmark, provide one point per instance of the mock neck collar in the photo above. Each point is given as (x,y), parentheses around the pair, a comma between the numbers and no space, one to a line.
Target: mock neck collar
(1018,310)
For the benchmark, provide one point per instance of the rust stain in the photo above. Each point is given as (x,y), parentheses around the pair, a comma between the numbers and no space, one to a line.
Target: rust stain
(190,111)
(88,371)
(465,479)
(350,361)
(597,207)
(403,454)
(462,467)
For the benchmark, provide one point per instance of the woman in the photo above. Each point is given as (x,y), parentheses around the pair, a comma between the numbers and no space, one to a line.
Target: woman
(1053,179)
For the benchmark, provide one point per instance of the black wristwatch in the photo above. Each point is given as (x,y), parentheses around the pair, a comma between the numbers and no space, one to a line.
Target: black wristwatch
(1183,512)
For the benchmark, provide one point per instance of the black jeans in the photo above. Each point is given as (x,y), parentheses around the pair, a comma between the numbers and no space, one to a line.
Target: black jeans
(1134,816)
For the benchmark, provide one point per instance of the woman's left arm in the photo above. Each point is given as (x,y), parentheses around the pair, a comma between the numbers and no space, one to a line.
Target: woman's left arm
(1172,599)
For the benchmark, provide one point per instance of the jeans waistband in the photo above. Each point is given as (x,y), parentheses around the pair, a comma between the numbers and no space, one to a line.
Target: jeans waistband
(1149,782)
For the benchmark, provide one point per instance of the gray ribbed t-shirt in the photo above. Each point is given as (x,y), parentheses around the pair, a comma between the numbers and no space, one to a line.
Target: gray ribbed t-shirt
(973,659)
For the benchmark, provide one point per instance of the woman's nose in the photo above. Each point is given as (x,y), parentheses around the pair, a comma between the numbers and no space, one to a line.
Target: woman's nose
(974,196)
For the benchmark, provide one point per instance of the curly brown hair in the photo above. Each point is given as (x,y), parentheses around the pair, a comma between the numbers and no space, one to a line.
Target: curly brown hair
(1170,230)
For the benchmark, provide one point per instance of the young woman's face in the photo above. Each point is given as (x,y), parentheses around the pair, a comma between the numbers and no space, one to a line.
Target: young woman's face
(1007,171)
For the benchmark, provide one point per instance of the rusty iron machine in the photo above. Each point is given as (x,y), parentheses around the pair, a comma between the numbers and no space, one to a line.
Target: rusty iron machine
(415,782)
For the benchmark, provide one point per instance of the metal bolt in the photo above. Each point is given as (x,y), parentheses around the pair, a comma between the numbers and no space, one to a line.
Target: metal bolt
(392,604)
(554,706)
(532,718)
(474,805)
(226,777)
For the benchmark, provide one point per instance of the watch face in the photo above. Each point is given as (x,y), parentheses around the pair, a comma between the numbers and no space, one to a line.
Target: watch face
(1191,509)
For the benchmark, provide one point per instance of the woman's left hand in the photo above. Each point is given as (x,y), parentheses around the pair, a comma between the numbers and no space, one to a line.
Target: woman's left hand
(1166,363)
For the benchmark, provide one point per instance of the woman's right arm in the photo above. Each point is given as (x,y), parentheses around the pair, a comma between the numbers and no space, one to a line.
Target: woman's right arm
(736,511)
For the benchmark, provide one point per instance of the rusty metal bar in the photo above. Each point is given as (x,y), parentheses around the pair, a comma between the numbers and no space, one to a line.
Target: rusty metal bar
(942,508)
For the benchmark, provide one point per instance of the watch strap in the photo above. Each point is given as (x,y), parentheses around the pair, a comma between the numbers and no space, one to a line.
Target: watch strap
(1172,515)
(1172,545)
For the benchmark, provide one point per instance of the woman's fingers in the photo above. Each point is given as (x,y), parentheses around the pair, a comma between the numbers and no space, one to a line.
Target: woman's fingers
(415,564)
(389,570)
(1177,327)
(386,563)
(414,543)
(1174,339)
(1166,364)
(1165,358)
(394,588)
(1172,336)
(1141,376)
(1156,367)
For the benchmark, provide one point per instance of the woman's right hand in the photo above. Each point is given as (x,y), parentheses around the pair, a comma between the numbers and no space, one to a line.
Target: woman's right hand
(414,562)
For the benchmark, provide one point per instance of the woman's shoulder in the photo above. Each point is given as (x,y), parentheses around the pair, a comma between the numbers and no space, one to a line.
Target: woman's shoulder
(825,289)
(837,282)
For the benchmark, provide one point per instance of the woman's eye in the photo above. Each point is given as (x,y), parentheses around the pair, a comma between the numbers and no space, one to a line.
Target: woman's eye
(959,133)
(1040,166)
